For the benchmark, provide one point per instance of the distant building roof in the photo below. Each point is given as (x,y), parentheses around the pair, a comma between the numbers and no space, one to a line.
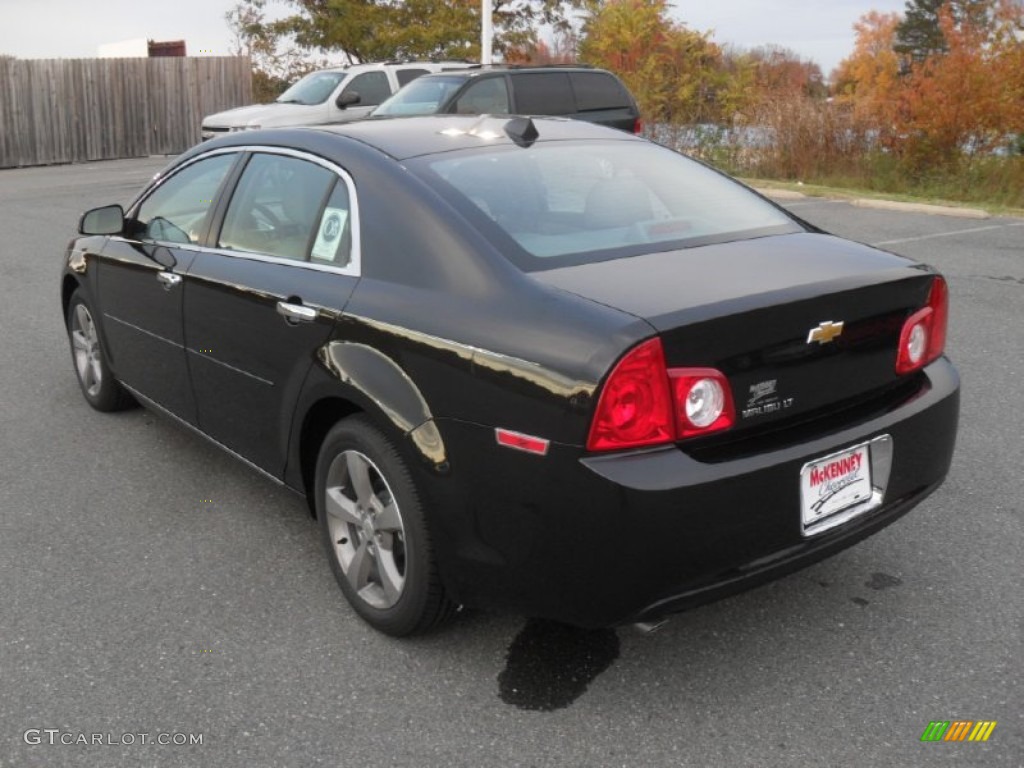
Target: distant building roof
(167,48)
(141,48)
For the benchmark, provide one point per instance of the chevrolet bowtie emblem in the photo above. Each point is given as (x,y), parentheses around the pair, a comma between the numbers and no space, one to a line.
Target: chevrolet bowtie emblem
(825,332)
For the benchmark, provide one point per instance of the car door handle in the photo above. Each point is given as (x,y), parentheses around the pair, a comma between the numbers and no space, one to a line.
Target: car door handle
(169,279)
(296,313)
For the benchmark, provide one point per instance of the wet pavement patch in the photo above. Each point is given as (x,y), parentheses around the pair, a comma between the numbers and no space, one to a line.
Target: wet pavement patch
(550,665)
(883,581)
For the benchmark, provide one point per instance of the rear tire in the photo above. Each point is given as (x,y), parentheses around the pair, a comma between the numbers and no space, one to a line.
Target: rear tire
(101,390)
(375,533)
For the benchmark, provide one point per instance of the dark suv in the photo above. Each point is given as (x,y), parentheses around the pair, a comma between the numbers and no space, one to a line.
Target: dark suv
(584,93)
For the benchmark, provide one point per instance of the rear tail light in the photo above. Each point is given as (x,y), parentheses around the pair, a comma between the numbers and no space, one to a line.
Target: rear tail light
(638,126)
(645,403)
(703,401)
(635,407)
(923,337)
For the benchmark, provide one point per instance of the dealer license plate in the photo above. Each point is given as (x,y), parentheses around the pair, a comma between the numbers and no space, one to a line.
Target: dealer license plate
(834,484)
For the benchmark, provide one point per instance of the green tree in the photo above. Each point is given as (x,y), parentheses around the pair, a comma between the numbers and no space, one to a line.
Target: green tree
(377,30)
(920,33)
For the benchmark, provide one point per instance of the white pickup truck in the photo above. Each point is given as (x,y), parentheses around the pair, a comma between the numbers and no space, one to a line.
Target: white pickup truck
(327,96)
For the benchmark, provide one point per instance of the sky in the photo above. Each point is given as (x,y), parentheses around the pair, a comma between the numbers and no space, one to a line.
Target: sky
(821,30)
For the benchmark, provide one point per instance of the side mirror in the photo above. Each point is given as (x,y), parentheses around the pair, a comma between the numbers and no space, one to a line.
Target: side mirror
(347,99)
(108,220)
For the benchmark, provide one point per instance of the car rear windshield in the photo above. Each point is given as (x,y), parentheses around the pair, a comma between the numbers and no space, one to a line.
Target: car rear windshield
(314,88)
(566,203)
(423,96)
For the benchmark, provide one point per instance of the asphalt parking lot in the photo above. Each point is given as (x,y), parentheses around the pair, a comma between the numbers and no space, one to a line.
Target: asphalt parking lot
(151,585)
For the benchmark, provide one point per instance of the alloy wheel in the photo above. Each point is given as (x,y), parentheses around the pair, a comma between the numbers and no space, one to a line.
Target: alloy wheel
(366,529)
(86,344)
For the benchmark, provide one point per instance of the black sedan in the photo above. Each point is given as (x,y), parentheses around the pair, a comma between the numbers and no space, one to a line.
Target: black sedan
(523,364)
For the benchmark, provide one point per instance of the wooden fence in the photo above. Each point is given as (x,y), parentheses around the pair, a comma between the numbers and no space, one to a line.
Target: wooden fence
(72,110)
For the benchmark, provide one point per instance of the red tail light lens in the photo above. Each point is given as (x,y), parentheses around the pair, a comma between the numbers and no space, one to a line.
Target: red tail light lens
(938,300)
(638,126)
(646,403)
(923,337)
(635,407)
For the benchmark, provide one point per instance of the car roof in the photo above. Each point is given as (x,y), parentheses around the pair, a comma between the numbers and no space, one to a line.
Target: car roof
(405,137)
(376,65)
(511,69)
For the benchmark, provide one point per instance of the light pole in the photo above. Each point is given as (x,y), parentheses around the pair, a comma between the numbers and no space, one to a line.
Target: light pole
(485,32)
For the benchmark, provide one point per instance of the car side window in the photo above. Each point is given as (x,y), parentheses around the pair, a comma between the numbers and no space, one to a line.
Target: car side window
(406,76)
(276,207)
(176,212)
(487,96)
(372,87)
(543,93)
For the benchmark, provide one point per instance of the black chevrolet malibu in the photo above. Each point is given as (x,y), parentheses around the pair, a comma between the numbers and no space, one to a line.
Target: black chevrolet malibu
(526,364)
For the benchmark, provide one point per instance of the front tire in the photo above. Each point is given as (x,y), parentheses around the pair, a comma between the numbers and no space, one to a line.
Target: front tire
(374,531)
(101,390)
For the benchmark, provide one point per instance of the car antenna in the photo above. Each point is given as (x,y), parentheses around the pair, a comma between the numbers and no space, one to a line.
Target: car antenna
(522,131)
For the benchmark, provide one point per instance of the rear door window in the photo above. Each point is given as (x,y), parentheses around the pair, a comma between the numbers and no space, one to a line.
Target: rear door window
(543,93)
(598,90)
(276,207)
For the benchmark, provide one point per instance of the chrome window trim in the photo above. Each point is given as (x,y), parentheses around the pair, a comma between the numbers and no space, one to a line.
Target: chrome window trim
(250,256)
(354,266)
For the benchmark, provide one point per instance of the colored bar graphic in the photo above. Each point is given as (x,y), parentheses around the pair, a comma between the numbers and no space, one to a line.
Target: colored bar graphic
(982,730)
(958,730)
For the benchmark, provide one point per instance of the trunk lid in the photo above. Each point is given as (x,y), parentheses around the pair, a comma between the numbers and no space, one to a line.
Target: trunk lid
(748,308)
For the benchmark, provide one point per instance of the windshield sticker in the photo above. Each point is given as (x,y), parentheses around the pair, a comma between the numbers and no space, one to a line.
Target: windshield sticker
(332,224)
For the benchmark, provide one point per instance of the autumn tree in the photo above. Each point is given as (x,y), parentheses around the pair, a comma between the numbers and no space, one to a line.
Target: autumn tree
(561,50)
(781,70)
(673,71)
(956,93)
(967,98)
(869,79)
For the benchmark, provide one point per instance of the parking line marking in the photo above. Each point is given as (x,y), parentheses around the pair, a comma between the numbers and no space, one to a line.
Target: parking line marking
(948,234)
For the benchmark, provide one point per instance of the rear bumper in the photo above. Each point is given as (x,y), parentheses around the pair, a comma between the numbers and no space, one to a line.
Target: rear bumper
(604,540)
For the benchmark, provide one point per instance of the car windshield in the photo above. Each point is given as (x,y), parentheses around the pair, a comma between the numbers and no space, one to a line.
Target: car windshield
(423,96)
(314,88)
(569,203)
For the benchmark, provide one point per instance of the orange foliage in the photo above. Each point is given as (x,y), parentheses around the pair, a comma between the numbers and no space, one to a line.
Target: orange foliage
(869,78)
(780,71)
(562,51)
(966,100)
